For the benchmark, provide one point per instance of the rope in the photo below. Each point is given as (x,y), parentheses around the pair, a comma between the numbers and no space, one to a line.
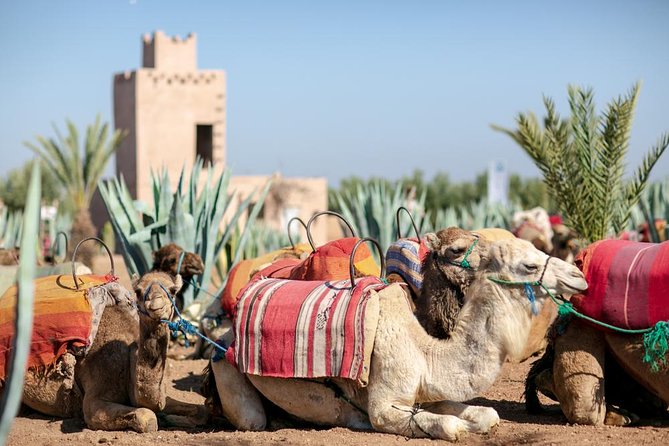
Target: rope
(181,325)
(655,338)
(464,263)
(415,410)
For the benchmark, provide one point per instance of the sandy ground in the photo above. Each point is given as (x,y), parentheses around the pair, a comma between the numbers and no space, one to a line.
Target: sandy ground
(185,376)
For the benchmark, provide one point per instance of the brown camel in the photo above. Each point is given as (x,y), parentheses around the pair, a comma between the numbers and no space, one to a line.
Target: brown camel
(119,384)
(171,257)
(446,281)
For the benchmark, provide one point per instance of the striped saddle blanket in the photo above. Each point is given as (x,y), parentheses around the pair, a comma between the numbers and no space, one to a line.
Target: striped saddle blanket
(64,318)
(628,283)
(328,262)
(404,258)
(306,329)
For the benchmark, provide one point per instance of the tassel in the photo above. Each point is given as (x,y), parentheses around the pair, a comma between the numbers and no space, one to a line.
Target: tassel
(532,298)
(565,308)
(655,346)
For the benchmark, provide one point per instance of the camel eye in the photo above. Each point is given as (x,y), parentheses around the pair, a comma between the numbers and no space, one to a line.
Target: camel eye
(457,251)
(531,268)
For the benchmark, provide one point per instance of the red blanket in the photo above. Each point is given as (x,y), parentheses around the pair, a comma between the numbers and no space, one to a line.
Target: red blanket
(289,328)
(628,283)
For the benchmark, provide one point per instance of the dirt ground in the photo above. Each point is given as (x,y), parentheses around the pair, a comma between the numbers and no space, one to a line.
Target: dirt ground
(185,376)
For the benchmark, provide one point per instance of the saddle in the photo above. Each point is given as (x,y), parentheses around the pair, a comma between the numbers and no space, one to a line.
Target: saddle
(628,283)
(65,318)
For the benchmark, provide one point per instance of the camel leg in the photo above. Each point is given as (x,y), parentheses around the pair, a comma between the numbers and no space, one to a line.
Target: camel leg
(628,351)
(483,418)
(578,374)
(317,403)
(104,415)
(402,419)
(240,401)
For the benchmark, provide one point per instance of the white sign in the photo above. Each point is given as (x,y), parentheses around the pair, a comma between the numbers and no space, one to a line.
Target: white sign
(498,183)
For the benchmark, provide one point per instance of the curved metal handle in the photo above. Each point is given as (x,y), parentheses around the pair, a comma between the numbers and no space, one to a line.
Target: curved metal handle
(355,249)
(74,256)
(55,243)
(413,223)
(318,214)
(290,238)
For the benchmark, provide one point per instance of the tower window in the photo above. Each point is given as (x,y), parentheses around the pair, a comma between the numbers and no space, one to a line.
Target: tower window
(204,142)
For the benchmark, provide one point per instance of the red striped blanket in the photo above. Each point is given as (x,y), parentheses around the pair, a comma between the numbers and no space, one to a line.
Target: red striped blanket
(63,318)
(301,329)
(628,283)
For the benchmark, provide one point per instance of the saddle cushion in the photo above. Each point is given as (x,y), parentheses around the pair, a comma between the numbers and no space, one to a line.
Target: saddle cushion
(306,329)
(64,318)
(332,262)
(240,274)
(628,283)
(404,258)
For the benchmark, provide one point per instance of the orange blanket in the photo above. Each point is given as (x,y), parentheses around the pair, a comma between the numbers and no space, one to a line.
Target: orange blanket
(62,320)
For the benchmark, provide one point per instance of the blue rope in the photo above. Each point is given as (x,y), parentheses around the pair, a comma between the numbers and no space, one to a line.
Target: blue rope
(182,325)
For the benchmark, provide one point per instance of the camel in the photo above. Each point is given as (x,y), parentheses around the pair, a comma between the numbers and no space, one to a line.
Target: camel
(119,384)
(172,259)
(598,378)
(599,375)
(534,225)
(446,281)
(416,382)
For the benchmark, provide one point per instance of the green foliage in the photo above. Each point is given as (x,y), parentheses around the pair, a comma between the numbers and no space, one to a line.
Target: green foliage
(191,218)
(13,387)
(582,160)
(14,187)
(11,225)
(371,210)
(475,216)
(78,175)
(653,204)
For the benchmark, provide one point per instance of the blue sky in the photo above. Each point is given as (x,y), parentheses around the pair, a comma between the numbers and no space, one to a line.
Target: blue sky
(341,88)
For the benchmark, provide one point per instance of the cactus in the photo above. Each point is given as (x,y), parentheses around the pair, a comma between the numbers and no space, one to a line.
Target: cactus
(11,398)
(372,209)
(190,218)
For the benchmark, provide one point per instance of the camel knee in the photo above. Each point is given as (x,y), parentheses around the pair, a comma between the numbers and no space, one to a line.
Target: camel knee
(240,401)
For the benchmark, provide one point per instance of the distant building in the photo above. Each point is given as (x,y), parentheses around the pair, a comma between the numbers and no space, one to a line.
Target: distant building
(172,112)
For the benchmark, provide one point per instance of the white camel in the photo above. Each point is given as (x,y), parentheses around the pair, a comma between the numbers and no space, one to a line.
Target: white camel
(417,383)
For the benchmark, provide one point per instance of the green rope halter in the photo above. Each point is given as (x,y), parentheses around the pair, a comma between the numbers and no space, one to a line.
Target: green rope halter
(655,338)
(464,263)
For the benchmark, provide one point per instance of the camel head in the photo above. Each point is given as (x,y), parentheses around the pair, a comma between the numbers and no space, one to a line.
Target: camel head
(457,250)
(565,243)
(152,294)
(518,261)
(167,259)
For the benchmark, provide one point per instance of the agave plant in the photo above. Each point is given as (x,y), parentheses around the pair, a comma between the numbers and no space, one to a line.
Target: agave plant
(13,393)
(653,204)
(476,216)
(191,218)
(11,223)
(371,210)
(583,160)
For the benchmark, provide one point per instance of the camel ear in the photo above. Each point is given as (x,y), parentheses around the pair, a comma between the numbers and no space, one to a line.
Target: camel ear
(432,241)
(178,283)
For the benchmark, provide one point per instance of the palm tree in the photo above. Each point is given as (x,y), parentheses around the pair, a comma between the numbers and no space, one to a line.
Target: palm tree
(582,160)
(79,175)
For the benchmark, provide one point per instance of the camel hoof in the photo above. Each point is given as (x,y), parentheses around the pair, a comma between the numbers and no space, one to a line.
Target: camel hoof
(616,416)
(146,421)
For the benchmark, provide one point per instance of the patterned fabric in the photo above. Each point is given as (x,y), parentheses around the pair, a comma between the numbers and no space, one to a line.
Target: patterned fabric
(332,261)
(404,258)
(628,283)
(240,274)
(64,318)
(329,262)
(305,329)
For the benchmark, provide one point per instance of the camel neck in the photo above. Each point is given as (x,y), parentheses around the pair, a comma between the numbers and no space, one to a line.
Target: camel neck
(490,327)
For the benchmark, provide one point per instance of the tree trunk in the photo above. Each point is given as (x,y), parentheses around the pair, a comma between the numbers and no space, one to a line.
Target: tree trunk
(82,228)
